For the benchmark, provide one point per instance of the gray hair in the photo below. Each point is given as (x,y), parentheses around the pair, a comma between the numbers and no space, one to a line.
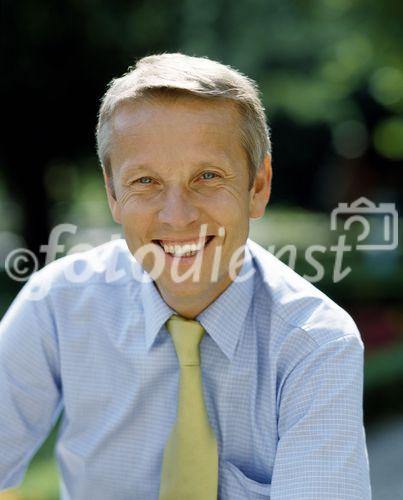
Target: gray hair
(176,74)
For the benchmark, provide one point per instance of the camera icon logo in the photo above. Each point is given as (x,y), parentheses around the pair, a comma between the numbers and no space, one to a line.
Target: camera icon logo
(365,211)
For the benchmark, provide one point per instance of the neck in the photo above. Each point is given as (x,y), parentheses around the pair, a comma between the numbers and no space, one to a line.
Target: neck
(191,305)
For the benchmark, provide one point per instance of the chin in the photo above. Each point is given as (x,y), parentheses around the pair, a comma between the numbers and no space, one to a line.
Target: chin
(186,288)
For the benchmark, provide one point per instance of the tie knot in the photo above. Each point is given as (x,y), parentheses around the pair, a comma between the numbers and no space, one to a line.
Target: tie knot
(186,335)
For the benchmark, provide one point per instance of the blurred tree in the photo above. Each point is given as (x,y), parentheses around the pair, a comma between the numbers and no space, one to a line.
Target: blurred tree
(331,76)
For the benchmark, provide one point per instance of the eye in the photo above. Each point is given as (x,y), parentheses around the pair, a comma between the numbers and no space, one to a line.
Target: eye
(144,180)
(207,176)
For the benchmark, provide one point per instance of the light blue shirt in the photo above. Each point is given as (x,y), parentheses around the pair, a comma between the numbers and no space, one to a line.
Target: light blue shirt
(282,369)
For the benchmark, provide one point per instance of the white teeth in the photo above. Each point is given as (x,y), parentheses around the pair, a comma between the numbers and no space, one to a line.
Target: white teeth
(183,250)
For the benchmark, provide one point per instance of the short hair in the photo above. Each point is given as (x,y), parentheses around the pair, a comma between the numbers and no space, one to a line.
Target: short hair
(179,74)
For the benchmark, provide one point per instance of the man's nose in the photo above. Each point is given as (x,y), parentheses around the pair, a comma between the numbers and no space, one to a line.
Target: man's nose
(178,210)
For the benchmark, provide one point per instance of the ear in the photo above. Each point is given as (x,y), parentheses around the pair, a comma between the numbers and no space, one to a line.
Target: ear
(260,191)
(111,194)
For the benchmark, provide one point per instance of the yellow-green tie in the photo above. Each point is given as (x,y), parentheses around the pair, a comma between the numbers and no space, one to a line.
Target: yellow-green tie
(190,462)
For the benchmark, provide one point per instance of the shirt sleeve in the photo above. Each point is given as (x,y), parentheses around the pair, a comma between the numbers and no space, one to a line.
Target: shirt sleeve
(321,450)
(29,384)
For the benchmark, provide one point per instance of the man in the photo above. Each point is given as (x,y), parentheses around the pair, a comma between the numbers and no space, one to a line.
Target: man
(202,367)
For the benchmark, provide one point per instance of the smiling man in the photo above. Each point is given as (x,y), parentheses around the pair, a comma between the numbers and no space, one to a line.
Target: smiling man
(176,164)
(190,364)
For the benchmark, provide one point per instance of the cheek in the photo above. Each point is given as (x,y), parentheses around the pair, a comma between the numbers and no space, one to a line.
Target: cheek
(234,212)
(233,215)
(228,200)
(136,220)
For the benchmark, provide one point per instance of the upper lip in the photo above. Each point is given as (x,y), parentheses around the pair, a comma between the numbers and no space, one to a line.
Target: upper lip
(171,241)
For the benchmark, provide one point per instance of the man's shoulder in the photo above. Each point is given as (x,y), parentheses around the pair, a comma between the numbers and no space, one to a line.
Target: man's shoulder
(108,264)
(296,304)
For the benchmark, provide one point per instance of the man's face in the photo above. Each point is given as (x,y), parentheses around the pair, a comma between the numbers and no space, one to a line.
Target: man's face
(177,165)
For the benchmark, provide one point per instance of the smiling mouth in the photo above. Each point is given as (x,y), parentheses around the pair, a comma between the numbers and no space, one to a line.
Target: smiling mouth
(183,249)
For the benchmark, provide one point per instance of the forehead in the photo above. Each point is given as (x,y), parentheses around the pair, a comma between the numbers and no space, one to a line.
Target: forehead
(181,109)
(184,126)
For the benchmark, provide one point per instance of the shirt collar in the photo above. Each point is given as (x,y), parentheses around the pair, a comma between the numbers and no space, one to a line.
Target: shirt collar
(156,311)
(223,319)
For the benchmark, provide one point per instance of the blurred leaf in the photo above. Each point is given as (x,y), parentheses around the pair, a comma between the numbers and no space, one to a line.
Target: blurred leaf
(388,138)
